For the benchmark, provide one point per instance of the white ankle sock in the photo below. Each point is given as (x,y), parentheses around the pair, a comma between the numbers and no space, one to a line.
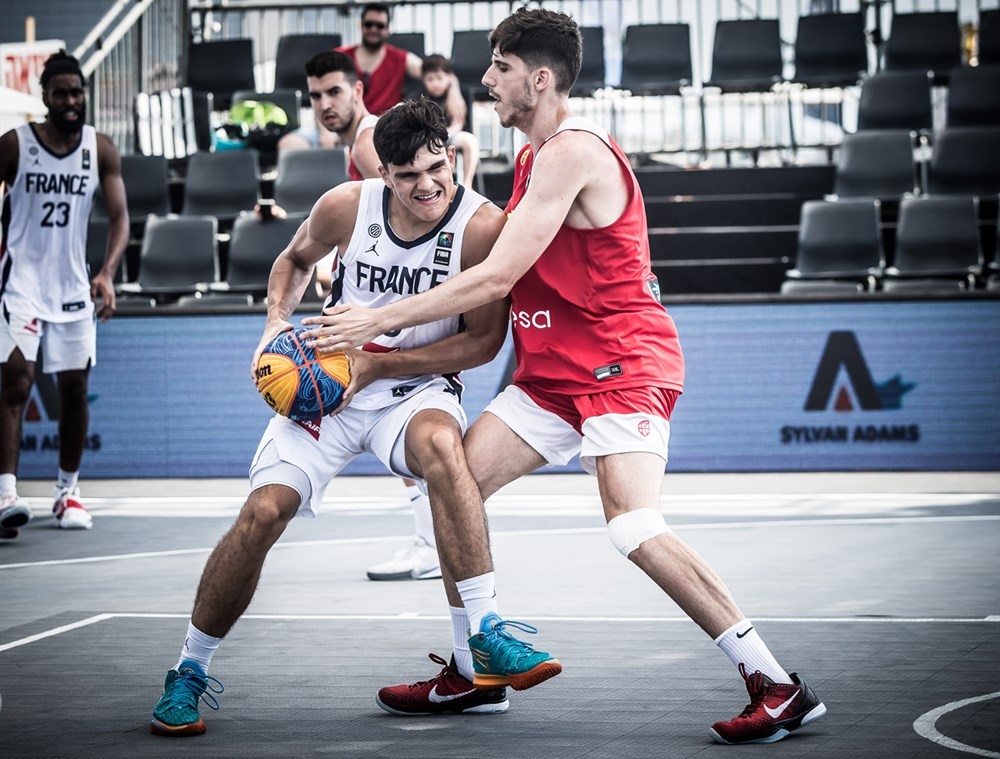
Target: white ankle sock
(479,596)
(460,642)
(67,480)
(198,646)
(742,644)
(8,483)
(423,522)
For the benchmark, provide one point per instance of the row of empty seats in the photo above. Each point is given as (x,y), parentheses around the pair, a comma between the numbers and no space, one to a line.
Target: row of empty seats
(938,248)
(884,164)
(831,50)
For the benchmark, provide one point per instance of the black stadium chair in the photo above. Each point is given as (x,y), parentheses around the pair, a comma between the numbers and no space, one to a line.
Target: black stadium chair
(253,246)
(290,60)
(875,164)
(896,100)
(221,184)
(839,248)
(989,37)
(179,255)
(221,68)
(304,175)
(937,246)
(470,57)
(925,41)
(656,59)
(830,50)
(746,58)
(965,161)
(831,53)
(974,97)
(591,77)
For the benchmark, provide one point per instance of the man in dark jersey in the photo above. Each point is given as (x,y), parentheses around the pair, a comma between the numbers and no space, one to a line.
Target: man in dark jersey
(599,365)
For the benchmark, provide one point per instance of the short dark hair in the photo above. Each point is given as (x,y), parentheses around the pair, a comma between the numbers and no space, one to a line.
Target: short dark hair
(541,37)
(60,63)
(377,8)
(404,129)
(435,62)
(329,61)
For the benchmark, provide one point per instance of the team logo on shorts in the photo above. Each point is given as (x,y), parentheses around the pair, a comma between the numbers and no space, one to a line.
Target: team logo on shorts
(644,428)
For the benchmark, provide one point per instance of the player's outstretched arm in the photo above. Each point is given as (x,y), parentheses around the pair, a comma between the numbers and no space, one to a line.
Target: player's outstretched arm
(484,330)
(558,177)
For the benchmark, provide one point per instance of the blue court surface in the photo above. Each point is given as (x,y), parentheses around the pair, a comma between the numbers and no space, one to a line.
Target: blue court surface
(880,589)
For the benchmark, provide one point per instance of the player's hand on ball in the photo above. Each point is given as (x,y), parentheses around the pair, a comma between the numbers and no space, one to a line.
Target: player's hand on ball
(271,331)
(340,327)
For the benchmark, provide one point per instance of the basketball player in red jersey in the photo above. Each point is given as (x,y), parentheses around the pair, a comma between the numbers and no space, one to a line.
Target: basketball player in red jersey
(599,365)
(383,67)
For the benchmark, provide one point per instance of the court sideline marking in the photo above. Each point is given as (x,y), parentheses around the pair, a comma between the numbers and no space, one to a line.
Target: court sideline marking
(767,524)
(925,726)
(415,617)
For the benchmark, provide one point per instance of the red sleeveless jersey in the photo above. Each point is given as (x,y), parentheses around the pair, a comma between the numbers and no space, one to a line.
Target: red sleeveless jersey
(383,85)
(585,318)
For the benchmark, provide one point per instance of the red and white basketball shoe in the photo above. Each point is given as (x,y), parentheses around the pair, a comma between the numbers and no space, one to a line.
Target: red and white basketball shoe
(447,693)
(69,511)
(775,709)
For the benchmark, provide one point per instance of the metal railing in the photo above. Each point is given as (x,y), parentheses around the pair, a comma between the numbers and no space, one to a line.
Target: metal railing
(140,45)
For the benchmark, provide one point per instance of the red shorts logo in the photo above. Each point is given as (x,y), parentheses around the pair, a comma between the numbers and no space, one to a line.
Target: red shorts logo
(644,427)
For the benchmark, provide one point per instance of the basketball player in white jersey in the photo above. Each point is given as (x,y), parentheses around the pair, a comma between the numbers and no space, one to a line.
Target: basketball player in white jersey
(336,95)
(48,298)
(395,236)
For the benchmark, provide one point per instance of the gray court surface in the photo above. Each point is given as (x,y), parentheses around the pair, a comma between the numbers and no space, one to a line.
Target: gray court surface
(880,589)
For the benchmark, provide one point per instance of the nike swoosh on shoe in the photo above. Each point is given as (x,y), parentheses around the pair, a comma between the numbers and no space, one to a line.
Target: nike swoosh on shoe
(775,713)
(437,698)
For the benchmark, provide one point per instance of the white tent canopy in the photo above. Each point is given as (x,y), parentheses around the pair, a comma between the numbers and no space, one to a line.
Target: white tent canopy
(17,107)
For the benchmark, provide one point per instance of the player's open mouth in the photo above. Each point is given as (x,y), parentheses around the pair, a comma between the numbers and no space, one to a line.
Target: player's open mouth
(428,198)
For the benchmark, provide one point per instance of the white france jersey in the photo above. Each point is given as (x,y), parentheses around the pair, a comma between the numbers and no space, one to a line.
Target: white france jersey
(378,268)
(43,271)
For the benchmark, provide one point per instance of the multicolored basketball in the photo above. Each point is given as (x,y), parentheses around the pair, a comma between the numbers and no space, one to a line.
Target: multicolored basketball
(297,383)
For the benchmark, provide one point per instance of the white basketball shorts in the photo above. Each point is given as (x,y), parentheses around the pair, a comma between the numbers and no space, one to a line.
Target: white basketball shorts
(560,426)
(65,346)
(289,454)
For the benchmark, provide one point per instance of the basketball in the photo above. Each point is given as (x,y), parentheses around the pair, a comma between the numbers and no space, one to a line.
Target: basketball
(297,383)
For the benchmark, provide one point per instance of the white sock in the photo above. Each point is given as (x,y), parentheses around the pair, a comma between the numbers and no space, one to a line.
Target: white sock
(8,483)
(460,642)
(198,646)
(479,596)
(742,644)
(422,519)
(67,480)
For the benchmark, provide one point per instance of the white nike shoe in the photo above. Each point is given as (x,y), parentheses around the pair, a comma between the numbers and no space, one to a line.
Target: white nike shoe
(417,562)
(14,513)
(69,511)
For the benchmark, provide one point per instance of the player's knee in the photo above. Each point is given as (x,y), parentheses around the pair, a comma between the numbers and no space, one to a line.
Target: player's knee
(16,392)
(268,511)
(440,451)
(630,530)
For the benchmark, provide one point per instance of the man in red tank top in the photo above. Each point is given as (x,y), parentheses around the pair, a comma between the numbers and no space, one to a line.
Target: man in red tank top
(599,365)
(382,67)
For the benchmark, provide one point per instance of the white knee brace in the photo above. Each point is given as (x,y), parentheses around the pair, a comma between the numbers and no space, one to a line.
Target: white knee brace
(630,530)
